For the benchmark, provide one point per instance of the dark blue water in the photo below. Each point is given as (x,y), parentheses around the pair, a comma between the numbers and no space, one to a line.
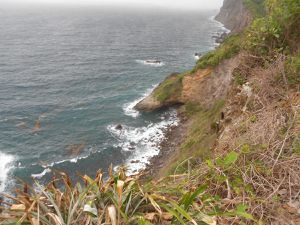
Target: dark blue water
(78,72)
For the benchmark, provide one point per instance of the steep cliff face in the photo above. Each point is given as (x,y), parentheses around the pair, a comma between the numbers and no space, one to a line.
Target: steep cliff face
(203,87)
(234,15)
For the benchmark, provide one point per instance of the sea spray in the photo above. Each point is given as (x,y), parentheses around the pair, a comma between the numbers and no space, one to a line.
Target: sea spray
(129,109)
(5,169)
(142,142)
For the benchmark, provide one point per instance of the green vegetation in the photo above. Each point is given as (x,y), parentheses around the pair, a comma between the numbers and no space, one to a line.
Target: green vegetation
(201,135)
(240,169)
(171,86)
(118,200)
(239,78)
(278,32)
(229,48)
(296,145)
(203,131)
(256,7)
(292,68)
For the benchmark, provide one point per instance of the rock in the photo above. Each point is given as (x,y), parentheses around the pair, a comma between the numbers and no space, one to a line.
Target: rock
(37,126)
(235,15)
(22,125)
(131,146)
(148,104)
(150,216)
(153,61)
(220,39)
(75,149)
(282,192)
(135,161)
(119,127)
(151,103)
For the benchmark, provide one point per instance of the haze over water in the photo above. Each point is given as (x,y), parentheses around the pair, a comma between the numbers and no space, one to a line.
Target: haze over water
(79,72)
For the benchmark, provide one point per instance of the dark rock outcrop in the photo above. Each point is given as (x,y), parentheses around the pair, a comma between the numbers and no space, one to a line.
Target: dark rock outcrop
(119,127)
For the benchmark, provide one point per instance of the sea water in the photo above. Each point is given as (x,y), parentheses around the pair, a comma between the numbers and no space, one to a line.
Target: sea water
(69,76)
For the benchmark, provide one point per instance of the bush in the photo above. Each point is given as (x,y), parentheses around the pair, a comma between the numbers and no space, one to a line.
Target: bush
(278,32)
(229,48)
(256,7)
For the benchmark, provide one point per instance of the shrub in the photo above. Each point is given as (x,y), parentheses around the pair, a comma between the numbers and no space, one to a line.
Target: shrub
(256,7)
(229,48)
(278,32)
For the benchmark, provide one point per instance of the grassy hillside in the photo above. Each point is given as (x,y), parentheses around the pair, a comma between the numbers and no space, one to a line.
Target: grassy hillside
(239,164)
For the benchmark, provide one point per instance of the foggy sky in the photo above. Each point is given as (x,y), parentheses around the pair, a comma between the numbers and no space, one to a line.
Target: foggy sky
(177,4)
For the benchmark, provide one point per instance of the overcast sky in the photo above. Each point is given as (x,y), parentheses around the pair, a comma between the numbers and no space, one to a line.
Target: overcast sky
(183,4)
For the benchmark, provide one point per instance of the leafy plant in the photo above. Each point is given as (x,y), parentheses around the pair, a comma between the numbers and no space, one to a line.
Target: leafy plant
(116,200)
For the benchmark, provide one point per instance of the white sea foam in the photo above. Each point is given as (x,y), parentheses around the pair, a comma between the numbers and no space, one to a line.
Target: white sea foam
(72,160)
(40,175)
(220,25)
(143,142)
(6,166)
(128,108)
(197,57)
(47,166)
(151,62)
(4,120)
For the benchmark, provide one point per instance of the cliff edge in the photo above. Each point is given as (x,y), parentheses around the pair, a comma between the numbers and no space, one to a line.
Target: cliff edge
(211,77)
(234,15)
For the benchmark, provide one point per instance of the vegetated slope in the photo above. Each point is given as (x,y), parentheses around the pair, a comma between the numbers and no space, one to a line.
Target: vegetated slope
(240,160)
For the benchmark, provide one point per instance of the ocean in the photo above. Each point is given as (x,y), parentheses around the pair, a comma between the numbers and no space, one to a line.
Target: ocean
(69,76)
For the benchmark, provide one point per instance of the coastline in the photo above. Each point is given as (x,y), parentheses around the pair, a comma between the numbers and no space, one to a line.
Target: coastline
(169,146)
(174,135)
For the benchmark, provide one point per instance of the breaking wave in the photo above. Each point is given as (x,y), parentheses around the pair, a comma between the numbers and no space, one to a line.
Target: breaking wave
(6,166)
(142,142)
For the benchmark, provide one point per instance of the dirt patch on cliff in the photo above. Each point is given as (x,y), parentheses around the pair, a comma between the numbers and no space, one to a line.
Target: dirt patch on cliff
(206,86)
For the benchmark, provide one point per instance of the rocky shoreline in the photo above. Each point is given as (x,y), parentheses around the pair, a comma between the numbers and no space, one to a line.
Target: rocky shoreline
(174,135)
(170,146)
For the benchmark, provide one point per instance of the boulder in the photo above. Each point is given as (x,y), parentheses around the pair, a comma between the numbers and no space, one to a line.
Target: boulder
(119,127)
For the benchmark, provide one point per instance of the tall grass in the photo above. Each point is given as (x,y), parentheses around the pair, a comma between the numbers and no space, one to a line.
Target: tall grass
(117,200)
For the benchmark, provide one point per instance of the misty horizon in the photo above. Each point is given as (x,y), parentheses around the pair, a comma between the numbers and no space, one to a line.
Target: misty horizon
(134,4)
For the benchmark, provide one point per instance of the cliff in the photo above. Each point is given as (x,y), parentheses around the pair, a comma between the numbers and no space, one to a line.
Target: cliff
(207,83)
(235,157)
(203,87)
(234,15)
(240,107)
